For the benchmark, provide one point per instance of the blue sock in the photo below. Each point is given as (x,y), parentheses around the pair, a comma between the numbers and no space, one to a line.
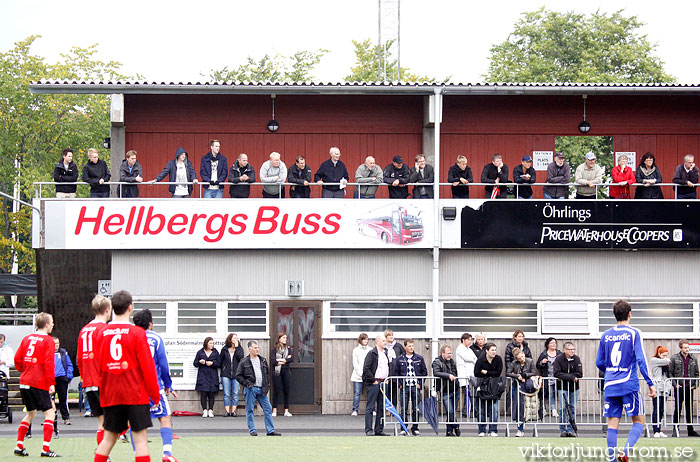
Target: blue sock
(612,444)
(131,439)
(634,436)
(167,435)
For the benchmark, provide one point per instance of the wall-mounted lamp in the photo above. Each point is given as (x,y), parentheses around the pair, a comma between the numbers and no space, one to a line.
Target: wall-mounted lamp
(107,143)
(584,127)
(273,125)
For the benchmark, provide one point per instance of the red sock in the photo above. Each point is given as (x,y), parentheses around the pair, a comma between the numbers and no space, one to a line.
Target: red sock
(48,433)
(143,459)
(100,436)
(100,458)
(21,433)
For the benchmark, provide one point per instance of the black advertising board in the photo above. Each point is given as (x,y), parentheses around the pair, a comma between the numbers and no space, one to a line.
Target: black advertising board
(581,224)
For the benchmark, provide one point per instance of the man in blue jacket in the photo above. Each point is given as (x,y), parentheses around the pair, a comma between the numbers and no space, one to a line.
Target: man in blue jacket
(332,171)
(63,370)
(410,365)
(179,170)
(213,169)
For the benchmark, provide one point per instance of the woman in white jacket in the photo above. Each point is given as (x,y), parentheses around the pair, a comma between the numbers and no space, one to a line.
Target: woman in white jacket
(465,358)
(358,362)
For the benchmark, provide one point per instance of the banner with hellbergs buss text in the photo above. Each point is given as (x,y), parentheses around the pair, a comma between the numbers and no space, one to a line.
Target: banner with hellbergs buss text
(568,224)
(237,224)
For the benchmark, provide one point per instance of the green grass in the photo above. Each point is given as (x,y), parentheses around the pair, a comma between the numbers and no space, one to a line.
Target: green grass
(336,449)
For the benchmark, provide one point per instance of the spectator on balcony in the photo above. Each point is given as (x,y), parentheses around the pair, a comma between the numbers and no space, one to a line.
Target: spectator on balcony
(7,356)
(521,371)
(545,364)
(558,172)
(648,175)
(496,173)
(684,369)
(588,175)
(422,173)
(213,169)
(623,175)
(445,369)
(358,360)
(96,174)
(242,175)
(370,175)
(568,369)
(273,173)
(396,175)
(179,170)
(300,175)
(524,174)
(130,171)
(65,171)
(465,359)
(478,345)
(460,175)
(686,176)
(659,374)
(332,171)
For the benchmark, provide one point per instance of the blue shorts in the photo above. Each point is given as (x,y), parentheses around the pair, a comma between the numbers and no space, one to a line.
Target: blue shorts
(632,403)
(163,408)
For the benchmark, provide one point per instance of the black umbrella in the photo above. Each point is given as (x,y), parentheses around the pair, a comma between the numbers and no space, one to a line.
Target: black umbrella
(429,409)
(570,412)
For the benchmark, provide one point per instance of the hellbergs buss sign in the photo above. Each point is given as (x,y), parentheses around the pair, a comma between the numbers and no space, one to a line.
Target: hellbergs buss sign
(208,223)
(633,224)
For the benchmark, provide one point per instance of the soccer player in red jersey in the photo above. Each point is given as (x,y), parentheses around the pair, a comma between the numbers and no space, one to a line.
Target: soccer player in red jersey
(128,380)
(87,361)
(35,360)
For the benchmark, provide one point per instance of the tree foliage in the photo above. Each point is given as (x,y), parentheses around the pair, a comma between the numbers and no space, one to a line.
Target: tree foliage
(278,68)
(34,129)
(549,46)
(366,68)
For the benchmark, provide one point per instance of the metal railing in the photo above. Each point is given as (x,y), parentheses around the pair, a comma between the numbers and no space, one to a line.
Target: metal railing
(550,405)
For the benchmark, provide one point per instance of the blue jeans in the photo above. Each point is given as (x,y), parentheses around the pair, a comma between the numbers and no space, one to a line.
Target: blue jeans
(518,406)
(448,401)
(231,387)
(356,393)
(692,195)
(488,412)
(375,402)
(213,193)
(253,394)
(566,398)
(547,196)
(410,393)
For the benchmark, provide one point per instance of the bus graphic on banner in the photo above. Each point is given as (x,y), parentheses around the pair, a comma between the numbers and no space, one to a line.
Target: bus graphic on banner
(393,224)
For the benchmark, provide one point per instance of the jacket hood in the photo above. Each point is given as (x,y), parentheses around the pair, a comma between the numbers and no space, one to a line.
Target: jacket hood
(181,151)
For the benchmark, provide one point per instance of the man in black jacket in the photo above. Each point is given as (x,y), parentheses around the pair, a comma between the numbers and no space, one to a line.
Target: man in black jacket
(524,174)
(65,171)
(445,368)
(374,372)
(96,174)
(332,171)
(242,174)
(684,368)
(254,374)
(422,173)
(410,365)
(568,369)
(497,173)
(396,175)
(300,175)
(130,171)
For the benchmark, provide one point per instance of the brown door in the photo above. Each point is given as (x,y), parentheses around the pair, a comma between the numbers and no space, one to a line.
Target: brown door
(301,321)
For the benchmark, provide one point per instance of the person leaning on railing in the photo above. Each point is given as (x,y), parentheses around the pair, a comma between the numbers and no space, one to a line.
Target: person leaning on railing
(587,176)
(624,176)
(496,173)
(558,172)
(460,175)
(422,173)
(687,177)
(130,171)
(649,175)
(273,173)
(65,171)
(96,174)
(521,370)
(524,174)
(241,174)
(300,175)
(659,374)
(369,175)
(179,170)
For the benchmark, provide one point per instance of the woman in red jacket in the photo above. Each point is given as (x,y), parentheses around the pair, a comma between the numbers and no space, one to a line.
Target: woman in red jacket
(624,176)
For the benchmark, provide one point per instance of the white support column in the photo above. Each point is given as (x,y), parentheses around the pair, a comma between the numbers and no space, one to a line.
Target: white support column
(117,134)
(436,106)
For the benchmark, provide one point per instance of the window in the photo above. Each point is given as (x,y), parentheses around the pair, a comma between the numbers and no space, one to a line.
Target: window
(377,317)
(489,317)
(157,311)
(195,317)
(652,317)
(247,317)
(565,318)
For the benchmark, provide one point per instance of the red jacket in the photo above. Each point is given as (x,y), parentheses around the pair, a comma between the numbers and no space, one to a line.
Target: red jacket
(618,176)
(87,360)
(127,370)
(35,360)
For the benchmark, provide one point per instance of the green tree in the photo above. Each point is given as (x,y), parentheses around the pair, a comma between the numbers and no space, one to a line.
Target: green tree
(549,46)
(278,68)
(366,68)
(34,129)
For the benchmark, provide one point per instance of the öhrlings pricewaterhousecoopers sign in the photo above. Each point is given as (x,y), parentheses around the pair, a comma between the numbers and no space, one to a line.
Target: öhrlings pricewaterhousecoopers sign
(589,224)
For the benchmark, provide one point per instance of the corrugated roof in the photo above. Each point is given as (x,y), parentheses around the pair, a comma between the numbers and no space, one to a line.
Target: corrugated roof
(267,87)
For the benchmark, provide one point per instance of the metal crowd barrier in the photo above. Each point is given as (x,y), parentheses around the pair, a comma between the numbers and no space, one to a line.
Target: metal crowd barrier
(538,409)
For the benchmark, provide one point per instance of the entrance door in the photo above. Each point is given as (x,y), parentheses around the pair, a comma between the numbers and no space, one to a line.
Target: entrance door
(301,321)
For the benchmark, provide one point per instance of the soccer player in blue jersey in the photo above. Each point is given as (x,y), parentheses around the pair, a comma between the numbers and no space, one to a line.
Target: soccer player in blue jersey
(620,355)
(144,319)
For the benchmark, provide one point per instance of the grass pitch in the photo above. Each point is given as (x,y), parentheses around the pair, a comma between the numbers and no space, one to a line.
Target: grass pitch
(358,448)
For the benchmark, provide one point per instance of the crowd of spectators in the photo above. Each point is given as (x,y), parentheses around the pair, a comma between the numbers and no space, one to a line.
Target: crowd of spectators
(333,177)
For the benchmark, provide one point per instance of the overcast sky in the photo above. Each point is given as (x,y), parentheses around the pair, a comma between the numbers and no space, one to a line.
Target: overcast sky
(183,40)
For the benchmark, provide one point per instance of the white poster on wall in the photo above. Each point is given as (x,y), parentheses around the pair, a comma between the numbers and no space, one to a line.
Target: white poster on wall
(631,158)
(238,224)
(542,159)
(181,353)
